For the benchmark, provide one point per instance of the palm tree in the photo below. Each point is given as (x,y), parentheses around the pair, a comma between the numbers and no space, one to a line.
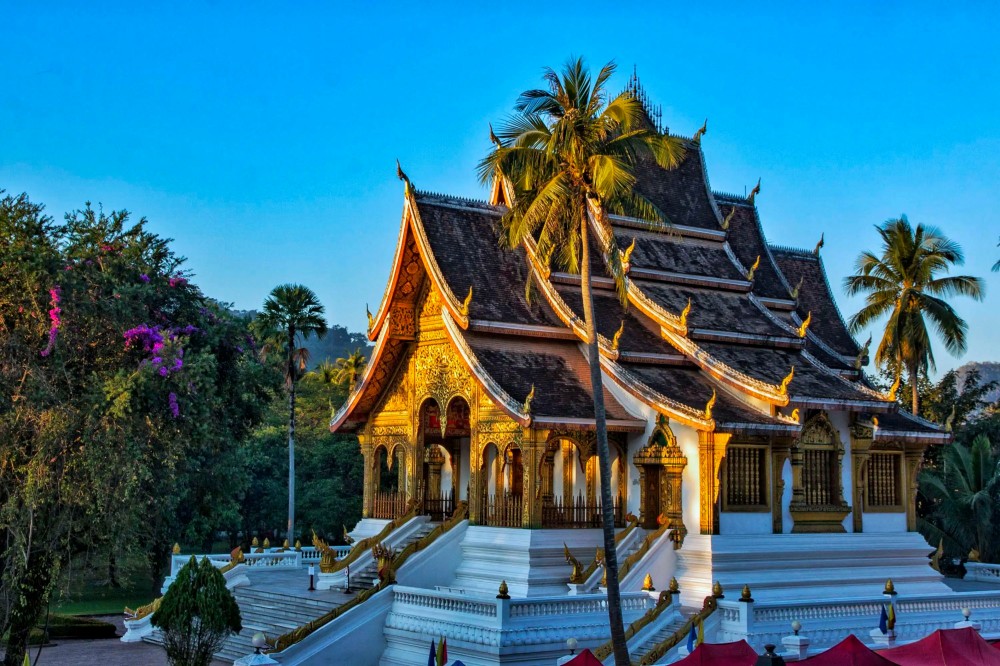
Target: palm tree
(294,310)
(567,148)
(903,283)
(965,495)
(350,368)
(324,373)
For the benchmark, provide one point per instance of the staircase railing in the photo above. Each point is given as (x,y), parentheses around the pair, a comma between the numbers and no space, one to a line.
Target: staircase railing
(365,545)
(295,635)
(647,543)
(588,573)
(663,602)
(708,607)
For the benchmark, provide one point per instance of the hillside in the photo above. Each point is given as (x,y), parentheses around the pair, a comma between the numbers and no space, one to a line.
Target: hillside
(337,343)
(988,371)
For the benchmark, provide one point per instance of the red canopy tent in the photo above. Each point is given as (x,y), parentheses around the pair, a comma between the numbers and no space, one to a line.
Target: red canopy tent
(585,658)
(721,654)
(848,652)
(946,647)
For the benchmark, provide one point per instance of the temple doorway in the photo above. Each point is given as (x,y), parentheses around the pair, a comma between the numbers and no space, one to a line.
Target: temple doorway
(446,443)
(503,487)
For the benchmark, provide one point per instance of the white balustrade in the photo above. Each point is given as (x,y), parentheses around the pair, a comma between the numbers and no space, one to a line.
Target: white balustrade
(982,572)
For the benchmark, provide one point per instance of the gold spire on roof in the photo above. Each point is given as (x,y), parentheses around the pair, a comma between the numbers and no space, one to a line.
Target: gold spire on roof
(464,310)
(862,353)
(805,325)
(709,405)
(753,269)
(794,293)
(371,319)
(618,335)
(408,186)
(729,218)
(627,257)
(526,407)
(701,132)
(685,312)
(754,192)
(820,244)
(786,381)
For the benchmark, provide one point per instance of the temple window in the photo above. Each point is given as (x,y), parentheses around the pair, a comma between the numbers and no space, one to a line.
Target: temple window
(883,487)
(745,478)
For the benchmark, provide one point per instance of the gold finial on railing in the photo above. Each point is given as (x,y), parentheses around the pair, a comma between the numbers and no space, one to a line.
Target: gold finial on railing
(255,542)
(889,587)
(753,269)
(177,549)
(267,543)
(647,584)
(298,544)
(504,592)
(285,545)
(745,595)
(576,576)
(717,590)
(673,586)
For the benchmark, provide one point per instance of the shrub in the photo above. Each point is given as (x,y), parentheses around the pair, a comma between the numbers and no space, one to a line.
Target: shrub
(196,615)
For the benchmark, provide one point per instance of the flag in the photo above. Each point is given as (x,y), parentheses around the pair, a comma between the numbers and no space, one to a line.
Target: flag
(442,652)
(701,632)
(432,659)
(692,637)
(891,620)
(883,621)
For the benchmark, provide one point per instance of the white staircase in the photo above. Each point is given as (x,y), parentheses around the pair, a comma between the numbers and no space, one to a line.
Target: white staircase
(367,577)
(663,628)
(272,613)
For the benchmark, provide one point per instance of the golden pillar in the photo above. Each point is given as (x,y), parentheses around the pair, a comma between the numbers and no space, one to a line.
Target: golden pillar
(370,475)
(861,442)
(711,450)
(532,450)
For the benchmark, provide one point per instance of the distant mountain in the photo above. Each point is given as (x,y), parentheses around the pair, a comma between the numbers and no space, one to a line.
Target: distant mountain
(337,343)
(988,371)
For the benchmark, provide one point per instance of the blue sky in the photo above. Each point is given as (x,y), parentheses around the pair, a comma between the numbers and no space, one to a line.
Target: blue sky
(263,136)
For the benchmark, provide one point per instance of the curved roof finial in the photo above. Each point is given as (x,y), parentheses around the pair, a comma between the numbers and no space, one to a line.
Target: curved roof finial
(754,192)
(408,186)
(820,244)
(729,218)
(701,132)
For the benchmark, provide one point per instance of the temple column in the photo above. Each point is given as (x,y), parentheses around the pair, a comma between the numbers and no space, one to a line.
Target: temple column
(913,459)
(569,460)
(435,461)
(780,451)
(592,481)
(861,442)
(711,449)
(368,486)
(532,450)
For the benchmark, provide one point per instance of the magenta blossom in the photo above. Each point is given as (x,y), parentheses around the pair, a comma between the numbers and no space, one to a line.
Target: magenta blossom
(177,281)
(54,320)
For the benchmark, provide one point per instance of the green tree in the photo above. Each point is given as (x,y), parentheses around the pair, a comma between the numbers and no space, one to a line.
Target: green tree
(964,498)
(350,368)
(569,154)
(197,614)
(903,284)
(295,310)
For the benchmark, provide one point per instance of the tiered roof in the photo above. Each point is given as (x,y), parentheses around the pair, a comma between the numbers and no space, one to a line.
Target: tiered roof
(724,363)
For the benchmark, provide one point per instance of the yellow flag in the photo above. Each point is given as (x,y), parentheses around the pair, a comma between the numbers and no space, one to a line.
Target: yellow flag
(701,633)
(892,616)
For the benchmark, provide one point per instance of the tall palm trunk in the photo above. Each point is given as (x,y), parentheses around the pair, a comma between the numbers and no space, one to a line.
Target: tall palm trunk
(914,396)
(291,435)
(603,452)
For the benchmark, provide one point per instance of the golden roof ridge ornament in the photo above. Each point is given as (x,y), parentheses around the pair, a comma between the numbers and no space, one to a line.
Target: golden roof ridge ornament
(371,319)
(753,269)
(627,257)
(753,193)
(805,325)
(795,415)
(526,407)
(710,404)
(407,185)
(794,293)
(617,337)
(891,395)
(729,218)
(702,131)
(820,244)
(464,310)
(862,353)
(685,312)
(786,381)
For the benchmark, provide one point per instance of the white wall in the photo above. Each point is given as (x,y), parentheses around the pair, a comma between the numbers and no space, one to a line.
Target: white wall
(786,497)
(884,522)
(841,421)
(738,522)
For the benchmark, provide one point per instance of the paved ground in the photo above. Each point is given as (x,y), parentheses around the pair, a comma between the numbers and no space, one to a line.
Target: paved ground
(293,583)
(106,652)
